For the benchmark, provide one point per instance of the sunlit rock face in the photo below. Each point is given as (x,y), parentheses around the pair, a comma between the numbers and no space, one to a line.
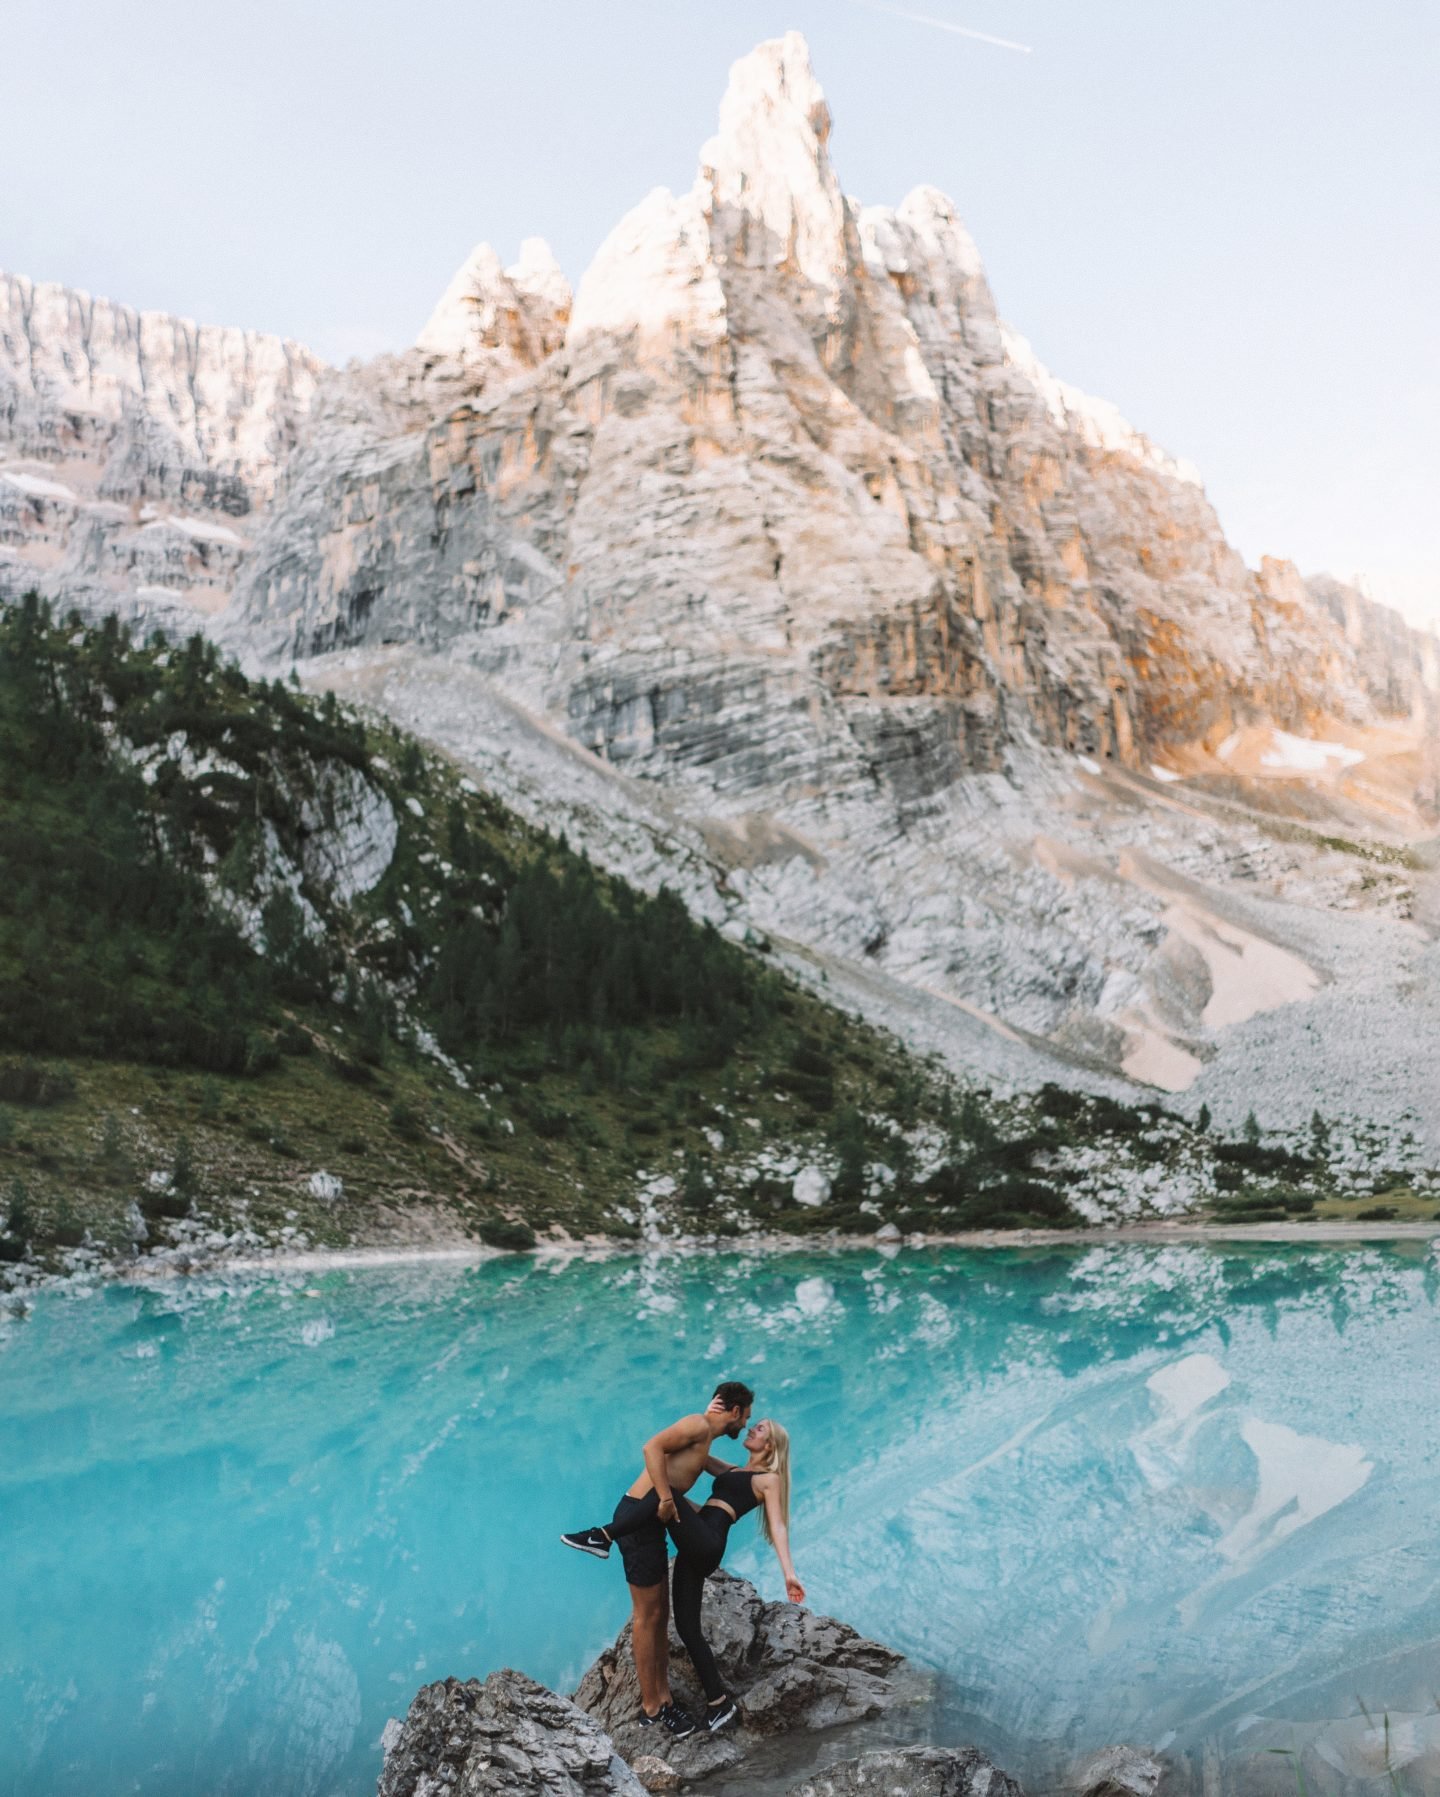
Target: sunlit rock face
(135,449)
(782,461)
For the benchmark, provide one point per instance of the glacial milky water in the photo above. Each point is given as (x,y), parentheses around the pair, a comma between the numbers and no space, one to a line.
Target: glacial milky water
(1182,1496)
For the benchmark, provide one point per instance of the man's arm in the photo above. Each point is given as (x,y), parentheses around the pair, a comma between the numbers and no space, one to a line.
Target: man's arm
(679,1436)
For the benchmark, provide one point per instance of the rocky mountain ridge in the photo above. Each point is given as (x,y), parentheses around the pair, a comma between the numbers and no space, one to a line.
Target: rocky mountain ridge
(775,564)
(136,449)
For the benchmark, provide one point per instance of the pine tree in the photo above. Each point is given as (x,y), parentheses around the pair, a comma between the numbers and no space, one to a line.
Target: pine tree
(19,1221)
(696,1193)
(112,1144)
(182,1171)
(848,1142)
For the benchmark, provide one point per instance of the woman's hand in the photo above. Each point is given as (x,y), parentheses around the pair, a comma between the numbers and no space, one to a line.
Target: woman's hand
(795,1591)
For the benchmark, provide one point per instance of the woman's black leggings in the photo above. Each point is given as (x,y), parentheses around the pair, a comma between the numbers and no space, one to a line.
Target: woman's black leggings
(700,1535)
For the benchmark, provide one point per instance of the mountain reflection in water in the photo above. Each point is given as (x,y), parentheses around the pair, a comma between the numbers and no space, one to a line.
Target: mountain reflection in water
(1183,1497)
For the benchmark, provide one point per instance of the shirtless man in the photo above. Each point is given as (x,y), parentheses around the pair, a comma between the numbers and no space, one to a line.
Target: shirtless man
(674,1460)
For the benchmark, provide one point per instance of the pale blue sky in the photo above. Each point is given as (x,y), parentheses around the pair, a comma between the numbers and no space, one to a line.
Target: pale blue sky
(1224,215)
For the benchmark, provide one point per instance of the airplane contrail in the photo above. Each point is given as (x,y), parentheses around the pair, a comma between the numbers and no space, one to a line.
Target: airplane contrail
(925,18)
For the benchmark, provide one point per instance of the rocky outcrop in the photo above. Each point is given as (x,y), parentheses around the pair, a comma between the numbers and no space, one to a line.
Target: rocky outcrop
(912,1772)
(793,1672)
(1120,1772)
(796,1674)
(507,1737)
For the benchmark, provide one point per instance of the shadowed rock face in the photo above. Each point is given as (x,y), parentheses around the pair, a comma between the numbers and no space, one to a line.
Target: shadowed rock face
(508,1737)
(793,1672)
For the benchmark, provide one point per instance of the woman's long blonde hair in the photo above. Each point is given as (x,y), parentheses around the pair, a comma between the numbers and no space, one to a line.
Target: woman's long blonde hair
(777,1460)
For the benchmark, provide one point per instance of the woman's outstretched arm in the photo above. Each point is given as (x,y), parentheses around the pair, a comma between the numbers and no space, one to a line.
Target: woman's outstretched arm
(769,1487)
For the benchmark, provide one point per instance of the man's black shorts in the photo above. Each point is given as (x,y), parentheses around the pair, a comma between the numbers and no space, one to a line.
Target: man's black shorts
(644,1552)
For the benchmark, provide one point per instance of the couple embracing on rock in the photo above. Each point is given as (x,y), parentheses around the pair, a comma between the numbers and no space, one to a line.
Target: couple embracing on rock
(655,1503)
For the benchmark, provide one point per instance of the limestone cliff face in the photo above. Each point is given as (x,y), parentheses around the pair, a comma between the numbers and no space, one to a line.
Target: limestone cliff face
(780,498)
(135,449)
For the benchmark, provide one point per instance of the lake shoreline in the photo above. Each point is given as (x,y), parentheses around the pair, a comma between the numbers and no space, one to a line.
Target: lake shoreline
(209,1263)
(195,1262)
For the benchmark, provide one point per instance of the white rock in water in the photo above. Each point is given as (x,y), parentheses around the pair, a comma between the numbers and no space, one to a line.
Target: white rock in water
(1120,1772)
(325,1186)
(811,1187)
(814,1296)
(887,1233)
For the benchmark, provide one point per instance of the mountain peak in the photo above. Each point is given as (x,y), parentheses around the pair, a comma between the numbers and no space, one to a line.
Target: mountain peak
(778,77)
(488,307)
(772,193)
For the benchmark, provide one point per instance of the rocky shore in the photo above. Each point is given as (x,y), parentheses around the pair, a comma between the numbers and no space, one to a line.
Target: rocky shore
(188,1260)
(824,1713)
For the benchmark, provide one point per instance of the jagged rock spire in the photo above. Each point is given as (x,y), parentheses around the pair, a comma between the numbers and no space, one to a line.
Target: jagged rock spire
(765,197)
(522,310)
(773,197)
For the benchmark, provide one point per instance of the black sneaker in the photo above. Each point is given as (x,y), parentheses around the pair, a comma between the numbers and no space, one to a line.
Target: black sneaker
(721,1715)
(679,1724)
(644,1721)
(590,1541)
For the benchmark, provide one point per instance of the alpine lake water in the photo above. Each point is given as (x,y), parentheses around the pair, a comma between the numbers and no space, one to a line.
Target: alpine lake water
(1182,1496)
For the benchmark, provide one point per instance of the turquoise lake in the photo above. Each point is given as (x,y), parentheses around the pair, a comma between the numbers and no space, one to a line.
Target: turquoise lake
(1184,1496)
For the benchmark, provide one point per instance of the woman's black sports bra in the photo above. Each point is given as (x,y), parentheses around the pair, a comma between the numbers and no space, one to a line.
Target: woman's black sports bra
(737,1489)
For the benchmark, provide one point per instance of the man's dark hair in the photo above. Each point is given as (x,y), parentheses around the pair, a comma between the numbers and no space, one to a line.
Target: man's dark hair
(733,1395)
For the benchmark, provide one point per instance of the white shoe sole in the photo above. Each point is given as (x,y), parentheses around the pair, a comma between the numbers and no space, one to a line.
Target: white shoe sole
(595,1553)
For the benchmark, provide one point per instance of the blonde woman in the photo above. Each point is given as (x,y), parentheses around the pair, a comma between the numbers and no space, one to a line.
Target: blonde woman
(701,1536)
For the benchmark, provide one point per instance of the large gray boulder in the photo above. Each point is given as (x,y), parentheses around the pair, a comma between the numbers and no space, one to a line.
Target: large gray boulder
(1120,1772)
(912,1772)
(792,1670)
(506,1738)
